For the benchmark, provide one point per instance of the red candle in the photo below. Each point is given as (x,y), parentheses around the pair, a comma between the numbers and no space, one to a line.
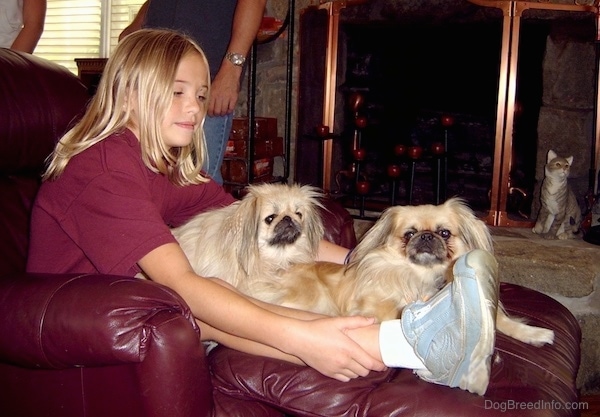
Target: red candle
(447,121)
(323,131)
(400,149)
(359,154)
(362,187)
(356,101)
(415,152)
(393,171)
(361,122)
(437,148)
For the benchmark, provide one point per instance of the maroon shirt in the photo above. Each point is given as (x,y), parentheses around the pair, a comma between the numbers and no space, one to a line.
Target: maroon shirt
(107,210)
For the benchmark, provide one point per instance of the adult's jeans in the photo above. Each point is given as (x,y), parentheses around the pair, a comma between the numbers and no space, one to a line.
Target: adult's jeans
(216,133)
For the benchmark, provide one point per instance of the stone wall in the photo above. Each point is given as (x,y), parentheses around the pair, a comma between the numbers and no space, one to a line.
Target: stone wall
(566,121)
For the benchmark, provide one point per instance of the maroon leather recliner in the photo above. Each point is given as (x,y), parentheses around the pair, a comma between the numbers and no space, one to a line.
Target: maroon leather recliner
(98,345)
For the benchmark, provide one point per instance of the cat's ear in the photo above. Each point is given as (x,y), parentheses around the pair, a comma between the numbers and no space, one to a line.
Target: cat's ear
(570,160)
(551,155)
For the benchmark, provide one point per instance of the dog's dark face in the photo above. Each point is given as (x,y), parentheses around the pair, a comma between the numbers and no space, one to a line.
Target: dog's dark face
(426,247)
(284,214)
(287,230)
(283,217)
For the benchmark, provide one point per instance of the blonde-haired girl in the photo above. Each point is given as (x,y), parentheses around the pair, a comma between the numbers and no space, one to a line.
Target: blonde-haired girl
(140,72)
(130,169)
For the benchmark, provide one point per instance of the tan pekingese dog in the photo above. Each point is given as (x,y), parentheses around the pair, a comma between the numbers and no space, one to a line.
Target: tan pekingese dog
(271,228)
(406,256)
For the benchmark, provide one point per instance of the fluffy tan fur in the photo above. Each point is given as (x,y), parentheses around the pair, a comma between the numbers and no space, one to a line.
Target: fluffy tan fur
(406,256)
(271,228)
(265,245)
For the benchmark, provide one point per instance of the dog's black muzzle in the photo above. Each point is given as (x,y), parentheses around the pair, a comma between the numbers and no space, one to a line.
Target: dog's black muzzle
(286,232)
(426,248)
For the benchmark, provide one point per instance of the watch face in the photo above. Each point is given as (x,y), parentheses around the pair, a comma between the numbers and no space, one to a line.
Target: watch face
(236,59)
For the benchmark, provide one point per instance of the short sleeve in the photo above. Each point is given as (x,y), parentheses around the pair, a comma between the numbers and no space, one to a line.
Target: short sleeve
(116,223)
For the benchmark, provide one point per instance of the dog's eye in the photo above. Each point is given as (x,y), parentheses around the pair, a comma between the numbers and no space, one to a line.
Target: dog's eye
(408,235)
(444,233)
(299,214)
(269,219)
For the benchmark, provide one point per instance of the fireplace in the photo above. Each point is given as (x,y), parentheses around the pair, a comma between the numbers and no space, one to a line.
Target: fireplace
(409,76)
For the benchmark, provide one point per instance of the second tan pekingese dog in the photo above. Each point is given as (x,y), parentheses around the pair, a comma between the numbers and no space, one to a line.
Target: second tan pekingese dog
(271,228)
(406,256)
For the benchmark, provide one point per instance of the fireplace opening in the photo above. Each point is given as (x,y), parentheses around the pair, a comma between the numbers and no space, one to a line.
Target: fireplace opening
(409,78)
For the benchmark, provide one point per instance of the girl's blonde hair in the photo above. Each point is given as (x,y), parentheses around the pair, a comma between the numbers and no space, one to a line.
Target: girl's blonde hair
(143,68)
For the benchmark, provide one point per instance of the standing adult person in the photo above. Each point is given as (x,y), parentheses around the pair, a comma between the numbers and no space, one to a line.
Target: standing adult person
(21,24)
(226,30)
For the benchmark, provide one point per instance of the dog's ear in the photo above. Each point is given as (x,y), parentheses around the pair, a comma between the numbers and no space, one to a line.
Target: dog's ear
(313,193)
(242,231)
(313,227)
(313,223)
(377,235)
(473,231)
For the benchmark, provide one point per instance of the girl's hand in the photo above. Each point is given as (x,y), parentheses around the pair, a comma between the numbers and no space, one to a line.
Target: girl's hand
(324,344)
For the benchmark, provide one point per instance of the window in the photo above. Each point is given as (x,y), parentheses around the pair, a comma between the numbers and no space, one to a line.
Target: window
(83,29)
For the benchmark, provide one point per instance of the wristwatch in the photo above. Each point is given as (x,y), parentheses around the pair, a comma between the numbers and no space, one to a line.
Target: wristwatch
(236,59)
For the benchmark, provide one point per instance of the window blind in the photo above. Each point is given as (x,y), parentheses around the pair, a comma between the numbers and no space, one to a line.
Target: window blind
(122,13)
(73,29)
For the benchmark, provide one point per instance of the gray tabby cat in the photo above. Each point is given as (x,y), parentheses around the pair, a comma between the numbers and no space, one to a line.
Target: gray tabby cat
(560,214)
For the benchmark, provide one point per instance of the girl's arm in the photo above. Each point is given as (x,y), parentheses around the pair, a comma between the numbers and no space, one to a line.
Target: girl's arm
(232,319)
(330,252)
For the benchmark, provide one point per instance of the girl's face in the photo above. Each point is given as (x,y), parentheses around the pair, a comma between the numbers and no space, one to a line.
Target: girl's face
(190,90)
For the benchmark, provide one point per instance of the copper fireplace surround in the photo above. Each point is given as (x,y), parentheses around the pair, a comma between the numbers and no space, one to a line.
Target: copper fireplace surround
(512,13)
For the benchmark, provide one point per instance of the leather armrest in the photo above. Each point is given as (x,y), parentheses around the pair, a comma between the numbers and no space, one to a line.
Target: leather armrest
(339,224)
(521,374)
(53,321)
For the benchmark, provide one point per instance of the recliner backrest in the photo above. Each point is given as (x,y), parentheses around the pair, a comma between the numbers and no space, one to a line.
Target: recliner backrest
(39,100)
